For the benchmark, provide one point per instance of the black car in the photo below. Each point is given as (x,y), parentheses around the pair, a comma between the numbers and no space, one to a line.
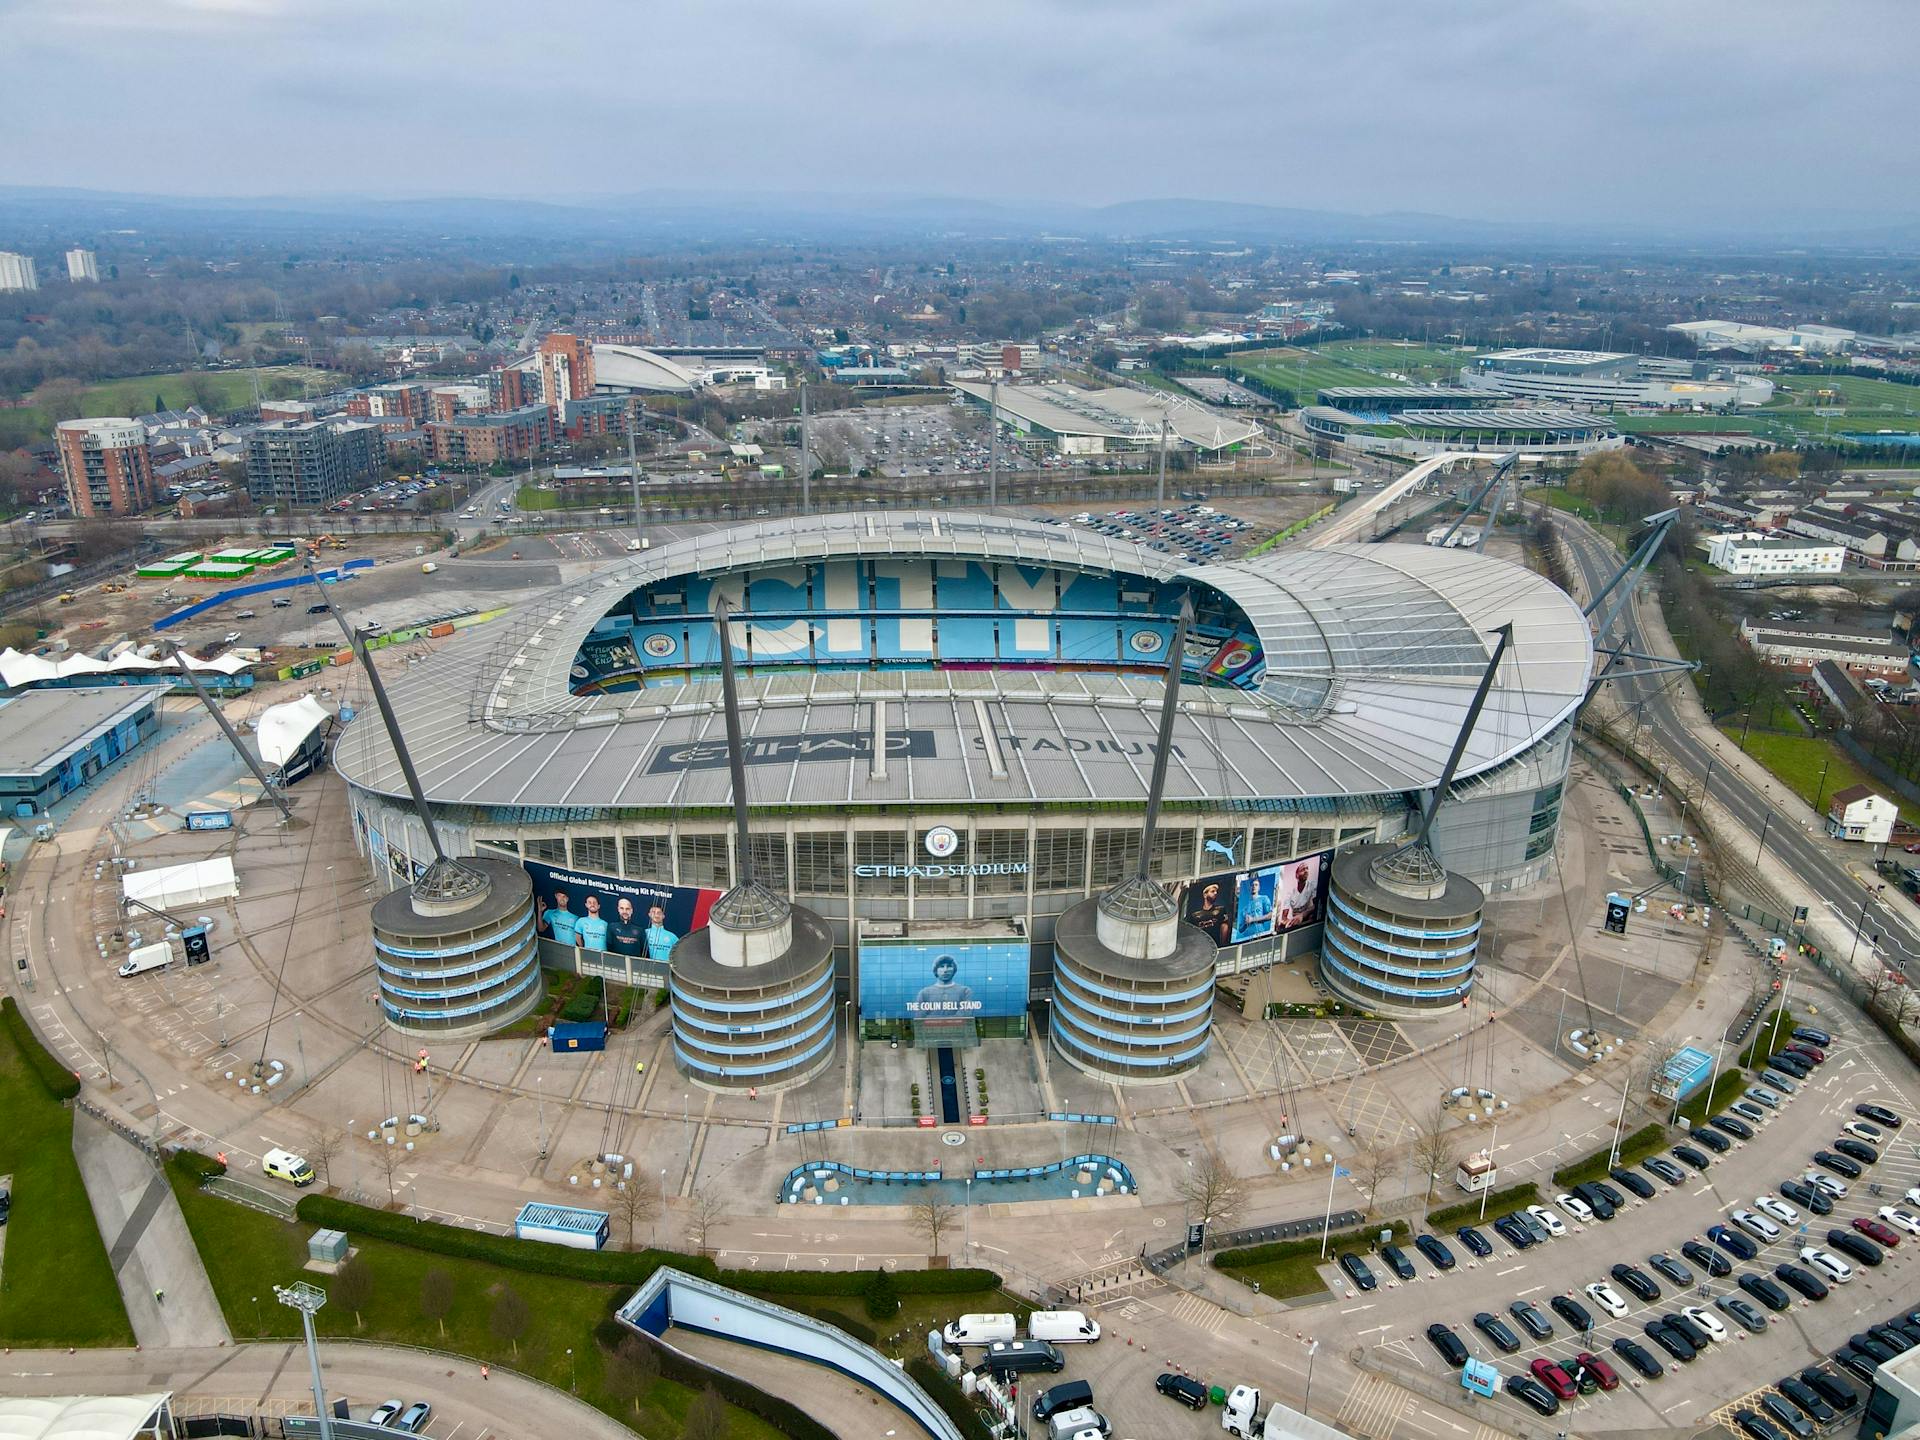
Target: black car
(1765,1291)
(1798,1066)
(1601,1206)
(1871,1345)
(1808,1197)
(1190,1393)
(1671,1268)
(1801,1280)
(1498,1331)
(1857,1150)
(1636,1183)
(1739,1129)
(1531,1320)
(1397,1261)
(1858,1246)
(1712,1139)
(1452,1348)
(1533,1393)
(1435,1250)
(1893,1337)
(1707,1258)
(1692,1156)
(1571,1311)
(1606,1192)
(1665,1169)
(1756,1426)
(1639,1357)
(316,609)
(1732,1241)
(1861,1367)
(1838,1164)
(1513,1232)
(1668,1339)
(1807,1400)
(1879,1114)
(1696,1336)
(1357,1270)
(1475,1241)
(1636,1280)
(6,1205)
(1836,1390)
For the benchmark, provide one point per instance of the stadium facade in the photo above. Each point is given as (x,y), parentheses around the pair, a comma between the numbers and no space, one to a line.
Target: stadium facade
(950,721)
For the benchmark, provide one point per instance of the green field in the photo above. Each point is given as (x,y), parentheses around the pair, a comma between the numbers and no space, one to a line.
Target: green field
(247,1253)
(56,1287)
(1421,364)
(1305,372)
(1799,761)
(227,389)
(1861,394)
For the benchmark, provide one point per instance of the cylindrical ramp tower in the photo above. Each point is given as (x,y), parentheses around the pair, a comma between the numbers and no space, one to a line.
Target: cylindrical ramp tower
(1402,933)
(454,952)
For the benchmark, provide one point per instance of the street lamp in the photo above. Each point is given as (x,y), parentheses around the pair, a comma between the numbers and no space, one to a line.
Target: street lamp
(1306,1400)
(573,1374)
(308,1299)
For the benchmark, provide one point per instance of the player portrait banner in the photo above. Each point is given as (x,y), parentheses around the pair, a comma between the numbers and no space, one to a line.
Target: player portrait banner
(943,980)
(586,911)
(1237,906)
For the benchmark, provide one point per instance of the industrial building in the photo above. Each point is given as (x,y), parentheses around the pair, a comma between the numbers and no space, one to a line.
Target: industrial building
(1075,421)
(106,466)
(291,462)
(1600,379)
(1758,339)
(951,720)
(1750,554)
(54,741)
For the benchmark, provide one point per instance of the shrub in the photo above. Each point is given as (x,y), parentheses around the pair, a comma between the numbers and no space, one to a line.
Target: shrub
(930,1378)
(865,1334)
(882,1296)
(1273,1250)
(61,1083)
(194,1167)
(1500,1202)
(784,1416)
(1637,1146)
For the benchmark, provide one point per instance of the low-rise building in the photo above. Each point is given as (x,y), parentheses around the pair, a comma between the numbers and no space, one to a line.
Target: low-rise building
(1861,652)
(1837,687)
(1863,540)
(1856,813)
(496,435)
(1747,553)
(54,741)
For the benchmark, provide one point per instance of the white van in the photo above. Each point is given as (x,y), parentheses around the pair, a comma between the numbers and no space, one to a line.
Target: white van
(285,1165)
(143,958)
(1062,1327)
(979,1330)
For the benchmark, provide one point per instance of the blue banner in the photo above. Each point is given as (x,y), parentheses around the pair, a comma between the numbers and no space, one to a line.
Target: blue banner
(943,979)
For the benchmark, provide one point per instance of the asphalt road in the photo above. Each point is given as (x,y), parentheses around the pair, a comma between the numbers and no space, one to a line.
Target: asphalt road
(1822,869)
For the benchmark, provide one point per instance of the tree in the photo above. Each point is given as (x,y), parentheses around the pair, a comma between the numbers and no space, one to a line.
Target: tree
(324,1149)
(386,1159)
(509,1318)
(436,1296)
(1212,1193)
(633,1201)
(60,398)
(630,1370)
(1369,1172)
(933,1218)
(353,1287)
(706,1417)
(1433,1151)
(707,1209)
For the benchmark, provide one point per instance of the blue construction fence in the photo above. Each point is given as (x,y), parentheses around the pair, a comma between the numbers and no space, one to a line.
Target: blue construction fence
(259,587)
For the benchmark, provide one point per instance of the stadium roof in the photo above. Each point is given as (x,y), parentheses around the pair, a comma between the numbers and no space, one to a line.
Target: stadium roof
(1372,655)
(1115,413)
(81,1417)
(1506,418)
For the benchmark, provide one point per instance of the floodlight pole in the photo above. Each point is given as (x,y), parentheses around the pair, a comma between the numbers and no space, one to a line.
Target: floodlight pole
(308,1299)
(226,728)
(806,453)
(1162,492)
(1163,744)
(993,444)
(633,465)
(736,746)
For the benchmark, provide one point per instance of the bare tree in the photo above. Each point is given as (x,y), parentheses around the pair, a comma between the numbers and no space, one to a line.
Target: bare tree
(353,1287)
(324,1149)
(706,1210)
(1212,1193)
(1370,1172)
(630,1370)
(509,1318)
(706,1417)
(386,1159)
(1433,1152)
(436,1296)
(933,1218)
(634,1201)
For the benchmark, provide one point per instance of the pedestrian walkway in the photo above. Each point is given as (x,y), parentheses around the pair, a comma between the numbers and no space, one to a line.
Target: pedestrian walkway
(165,1288)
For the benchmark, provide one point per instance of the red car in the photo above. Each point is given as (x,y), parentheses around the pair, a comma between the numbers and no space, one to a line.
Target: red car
(1555,1379)
(1608,1377)
(1874,1230)
(1812,1052)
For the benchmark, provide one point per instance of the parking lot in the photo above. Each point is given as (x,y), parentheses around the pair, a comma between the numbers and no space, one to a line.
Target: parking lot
(1194,531)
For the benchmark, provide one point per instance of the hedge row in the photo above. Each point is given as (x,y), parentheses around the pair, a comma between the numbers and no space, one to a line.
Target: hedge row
(1770,1035)
(194,1167)
(61,1083)
(614,1267)
(948,1396)
(1637,1146)
(1500,1202)
(1286,1249)
(784,1416)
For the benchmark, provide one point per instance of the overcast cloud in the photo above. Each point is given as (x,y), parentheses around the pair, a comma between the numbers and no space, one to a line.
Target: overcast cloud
(1690,111)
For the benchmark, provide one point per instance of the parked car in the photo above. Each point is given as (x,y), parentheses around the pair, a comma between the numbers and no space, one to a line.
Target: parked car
(1765,1291)
(1776,1209)
(1189,1392)
(1637,1281)
(1744,1315)
(1787,1417)
(1730,1125)
(1547,1220)
(1357,1270)
(1747,1110)
(1733,1242)
(1571,1311)
(1532,1393)
(1636,1183)
(1707,1323)
(1531,1320)
(1757,1225)
(1807,1400)
(1854,1247)
(1497,1331)
(1865,1130)
(1812,1196)
(1397,1261)
(1876,1230)
(1586,1364)
(414,1418)
(1435,1250)
(1666,1265)
(1577,1209)
(1834,1389)
(1674,1342)
(383,1414)
(1894,1215)
(1826,1265)
(1550,1374)
(1813,1036)
(1474,1241)
(1757,1427)
(1639,1357)
(1839,1164)
(1707,1258)
(1712,1139)
(1857,1150)
(1607,1298)
(1452,1348)
(1692,1156)
(1513,1231)
(1879,1114)
(1801,1280)
(1665,1169)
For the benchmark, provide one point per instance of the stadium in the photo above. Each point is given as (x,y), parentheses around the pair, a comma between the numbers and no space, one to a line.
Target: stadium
(949,722)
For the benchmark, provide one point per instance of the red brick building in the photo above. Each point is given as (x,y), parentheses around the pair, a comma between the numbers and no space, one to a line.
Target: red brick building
(396,400)
(483,439)
(106,465)
(566,370)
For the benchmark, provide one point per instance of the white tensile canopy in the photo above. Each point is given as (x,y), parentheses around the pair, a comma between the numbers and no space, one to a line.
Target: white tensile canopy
(177,886)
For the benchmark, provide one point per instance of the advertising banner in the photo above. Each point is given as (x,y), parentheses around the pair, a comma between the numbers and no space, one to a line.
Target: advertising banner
(614,916)
(1241,905)
(943,979)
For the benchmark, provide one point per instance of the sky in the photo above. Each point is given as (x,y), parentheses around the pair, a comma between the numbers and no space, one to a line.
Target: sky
(1631,111)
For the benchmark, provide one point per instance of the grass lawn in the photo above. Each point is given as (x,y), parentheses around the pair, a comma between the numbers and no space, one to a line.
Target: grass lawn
(1286,1279)
(1305,372)
(532,497)
(1422,364)
(232,389)
(247,1253)
(56,1286)
(1859,393)
(1773,1034)
(1799,760)
(1561,498)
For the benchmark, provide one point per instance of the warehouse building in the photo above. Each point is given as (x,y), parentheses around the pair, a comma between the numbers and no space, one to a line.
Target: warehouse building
(54,741)
(1076,421)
